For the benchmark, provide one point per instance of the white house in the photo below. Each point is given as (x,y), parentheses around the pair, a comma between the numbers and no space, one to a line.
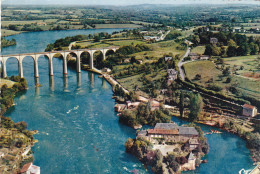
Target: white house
(29,168)
(249,110)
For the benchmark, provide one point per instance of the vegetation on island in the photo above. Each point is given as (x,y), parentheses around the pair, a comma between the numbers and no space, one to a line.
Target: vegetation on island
(144,151)
(6,42)
(7,94)
(143,115)
(15,140)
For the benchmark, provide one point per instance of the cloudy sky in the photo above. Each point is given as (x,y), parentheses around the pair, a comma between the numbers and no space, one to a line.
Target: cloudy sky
(124,2)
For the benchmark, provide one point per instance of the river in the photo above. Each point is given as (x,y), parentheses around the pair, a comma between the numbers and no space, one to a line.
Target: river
(78,128)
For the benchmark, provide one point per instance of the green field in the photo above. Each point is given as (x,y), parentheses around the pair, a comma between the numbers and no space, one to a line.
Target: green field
(98,26)
(198,50)
(6,23)
(5,32)
(247,86)
(206,69)
(249,63)
(9,83)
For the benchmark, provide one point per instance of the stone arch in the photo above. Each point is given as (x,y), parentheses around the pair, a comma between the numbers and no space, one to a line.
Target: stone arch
(98,56)
(26,56)
(41,59)
(6,61)
(60,55)
(74,60)
(85,57)
(31,63)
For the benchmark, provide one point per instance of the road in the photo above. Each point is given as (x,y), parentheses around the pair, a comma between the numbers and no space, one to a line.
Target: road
(181,63)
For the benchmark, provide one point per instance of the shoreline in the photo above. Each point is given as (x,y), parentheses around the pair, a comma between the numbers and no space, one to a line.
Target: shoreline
(110,80)
(20,32)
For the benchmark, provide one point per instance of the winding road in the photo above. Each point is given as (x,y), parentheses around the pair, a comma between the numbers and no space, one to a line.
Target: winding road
(181,63)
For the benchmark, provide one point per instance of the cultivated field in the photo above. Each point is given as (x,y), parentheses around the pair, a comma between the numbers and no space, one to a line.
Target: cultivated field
(198,50)
(210,75)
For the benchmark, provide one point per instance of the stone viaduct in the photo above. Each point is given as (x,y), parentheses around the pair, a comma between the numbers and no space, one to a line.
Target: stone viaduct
(50,56)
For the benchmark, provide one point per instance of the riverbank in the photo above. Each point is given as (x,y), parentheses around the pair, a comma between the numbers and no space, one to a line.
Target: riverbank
(6,32)
(16,141)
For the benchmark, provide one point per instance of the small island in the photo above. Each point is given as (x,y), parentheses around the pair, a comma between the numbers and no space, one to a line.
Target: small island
(7,43)
(169,148)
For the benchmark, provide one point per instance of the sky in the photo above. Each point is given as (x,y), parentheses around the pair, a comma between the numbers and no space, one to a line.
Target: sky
(125,2)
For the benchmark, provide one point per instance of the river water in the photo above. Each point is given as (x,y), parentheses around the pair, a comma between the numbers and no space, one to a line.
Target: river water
(78,128)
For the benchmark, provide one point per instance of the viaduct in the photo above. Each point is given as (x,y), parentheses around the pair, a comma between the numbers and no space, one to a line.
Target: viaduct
(50,56)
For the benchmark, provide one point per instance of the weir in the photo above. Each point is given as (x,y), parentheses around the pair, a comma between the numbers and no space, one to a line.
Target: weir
(50,56)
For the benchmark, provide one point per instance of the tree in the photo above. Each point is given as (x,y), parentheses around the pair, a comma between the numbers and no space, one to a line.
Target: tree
(228,80)
(196,105)
(253,48)
(216,50)
(196,40)
(232,43)
(133,59)
(243,50)
(231,51)
(96,38)
(208,50)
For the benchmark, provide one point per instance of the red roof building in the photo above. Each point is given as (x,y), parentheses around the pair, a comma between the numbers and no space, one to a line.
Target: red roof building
(249,110)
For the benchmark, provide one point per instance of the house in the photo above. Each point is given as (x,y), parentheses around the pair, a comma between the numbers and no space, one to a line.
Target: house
(2,154)
(249,110)
(194,56)
(156,38)
(139,61)
(167,58)
(29,168)
(120,107)
(173,73)
(213,40)
(131,105)
(204,57)
(172,132)
(237,29)
(154,104)
(193,144)
(106,70)
(26,151)
(142,99)
(144,32)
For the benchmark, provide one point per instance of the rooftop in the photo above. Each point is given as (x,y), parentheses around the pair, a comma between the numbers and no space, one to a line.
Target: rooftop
(163,131)
(248,106)
(188,131)
(25,167)
(166,126)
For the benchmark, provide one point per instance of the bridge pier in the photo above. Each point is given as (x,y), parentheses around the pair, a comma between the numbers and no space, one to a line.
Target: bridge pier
(91,63)
(65,70)
(50,66)
(20,67)
(78,64)
(4,69)
(36,70)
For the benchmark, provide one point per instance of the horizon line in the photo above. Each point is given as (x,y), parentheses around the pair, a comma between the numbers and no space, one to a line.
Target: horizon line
(188,3)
